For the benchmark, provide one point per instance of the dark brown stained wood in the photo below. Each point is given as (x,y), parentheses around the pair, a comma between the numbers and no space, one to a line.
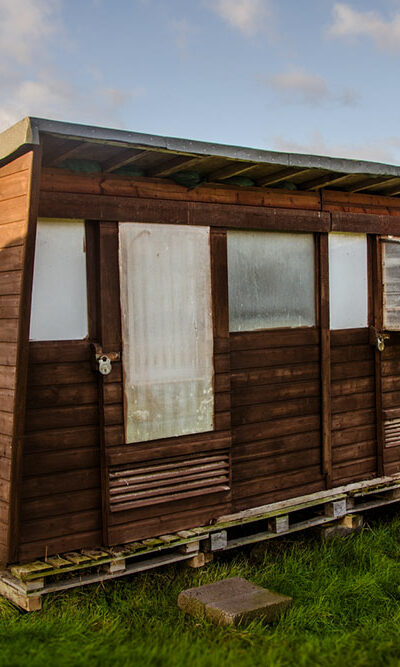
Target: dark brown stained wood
(58,180)
(357,451)
(352,369)
(39,549)
(92,238)
(64,482)
(354,471)
(59,461)
(346,353)
(348,202)
(127,209)
(326,356)
(60,504)
(375,267)
(353,402)
(43,418)
(250,414)
(55,351)
(391,399)
(84,436)
(18,211)
(61,373)
(278,464)
(365,223)
(108,327)
(190,445)
(47,397)
(273,357)
(159,525)
(275,428)
(252,395)
(344,420)
(353,385)
(274,338)
(286,444)
(62,457)
(274,375)
(340,337)
(57,527)
(279,494)
(268,485)
(219,277)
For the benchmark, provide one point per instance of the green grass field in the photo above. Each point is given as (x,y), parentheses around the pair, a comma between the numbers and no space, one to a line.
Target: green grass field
(346,612)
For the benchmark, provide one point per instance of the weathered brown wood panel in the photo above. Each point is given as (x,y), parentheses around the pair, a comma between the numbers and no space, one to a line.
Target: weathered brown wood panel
(276,424)
(16,180)
(61,499)
(354,434)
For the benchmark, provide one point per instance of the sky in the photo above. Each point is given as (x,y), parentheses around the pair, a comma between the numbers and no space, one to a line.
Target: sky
(309,76)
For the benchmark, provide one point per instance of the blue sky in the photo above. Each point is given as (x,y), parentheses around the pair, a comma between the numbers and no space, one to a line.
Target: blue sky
(300,75)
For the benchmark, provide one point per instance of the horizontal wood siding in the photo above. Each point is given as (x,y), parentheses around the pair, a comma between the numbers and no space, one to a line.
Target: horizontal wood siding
(61,501)
(391,401)
(354,435)
(276,402)
(189,502)
(15,179)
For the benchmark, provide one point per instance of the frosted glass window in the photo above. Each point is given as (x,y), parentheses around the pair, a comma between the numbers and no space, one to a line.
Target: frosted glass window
(348,281)
(167,330)
(59,297)
(271,280)
(391,284)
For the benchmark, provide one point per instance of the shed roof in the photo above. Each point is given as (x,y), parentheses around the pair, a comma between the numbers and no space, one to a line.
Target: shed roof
(164,157)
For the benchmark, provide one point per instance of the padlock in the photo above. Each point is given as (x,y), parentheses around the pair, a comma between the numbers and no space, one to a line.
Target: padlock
(380,343)
(104,365)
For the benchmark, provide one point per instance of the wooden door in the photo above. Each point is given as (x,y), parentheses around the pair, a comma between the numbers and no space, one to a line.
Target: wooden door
(278,329)
(386,338)
(162,472)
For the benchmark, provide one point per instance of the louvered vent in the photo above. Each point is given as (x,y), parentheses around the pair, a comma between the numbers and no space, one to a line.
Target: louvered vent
(169,481)
(392,433)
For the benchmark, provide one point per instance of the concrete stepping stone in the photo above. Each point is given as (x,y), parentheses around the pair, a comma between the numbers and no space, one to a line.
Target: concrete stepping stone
(233,601)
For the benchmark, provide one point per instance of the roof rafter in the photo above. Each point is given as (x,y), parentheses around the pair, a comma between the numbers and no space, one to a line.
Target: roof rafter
(231,170)
(281,175)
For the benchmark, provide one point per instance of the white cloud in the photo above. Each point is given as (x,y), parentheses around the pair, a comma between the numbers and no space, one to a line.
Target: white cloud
(248,16)
(27,32)
(297,86)
(348,22)
(24,24)
(378,150)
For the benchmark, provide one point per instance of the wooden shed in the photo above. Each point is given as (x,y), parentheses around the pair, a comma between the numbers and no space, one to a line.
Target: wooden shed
(188,331)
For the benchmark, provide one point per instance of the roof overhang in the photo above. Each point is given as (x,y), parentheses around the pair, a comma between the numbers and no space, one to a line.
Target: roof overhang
(164,156)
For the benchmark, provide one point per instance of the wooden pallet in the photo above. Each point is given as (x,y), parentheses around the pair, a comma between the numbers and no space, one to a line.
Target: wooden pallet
(26,584)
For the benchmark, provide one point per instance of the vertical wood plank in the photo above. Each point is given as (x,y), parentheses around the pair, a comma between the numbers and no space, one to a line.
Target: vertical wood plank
(220,302)
(92,272)
(110,338)
(24,319)
(376,272)
(219,278)
(325,341)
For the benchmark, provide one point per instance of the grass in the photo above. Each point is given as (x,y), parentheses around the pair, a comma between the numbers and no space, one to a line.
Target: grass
(346,612)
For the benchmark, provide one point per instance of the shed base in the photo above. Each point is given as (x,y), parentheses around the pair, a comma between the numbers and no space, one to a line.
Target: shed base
(25,584)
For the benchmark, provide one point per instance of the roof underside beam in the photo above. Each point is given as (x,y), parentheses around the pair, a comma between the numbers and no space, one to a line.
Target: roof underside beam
(231,170)
(324,181)
(171,166)
(281,175)
(369,183)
